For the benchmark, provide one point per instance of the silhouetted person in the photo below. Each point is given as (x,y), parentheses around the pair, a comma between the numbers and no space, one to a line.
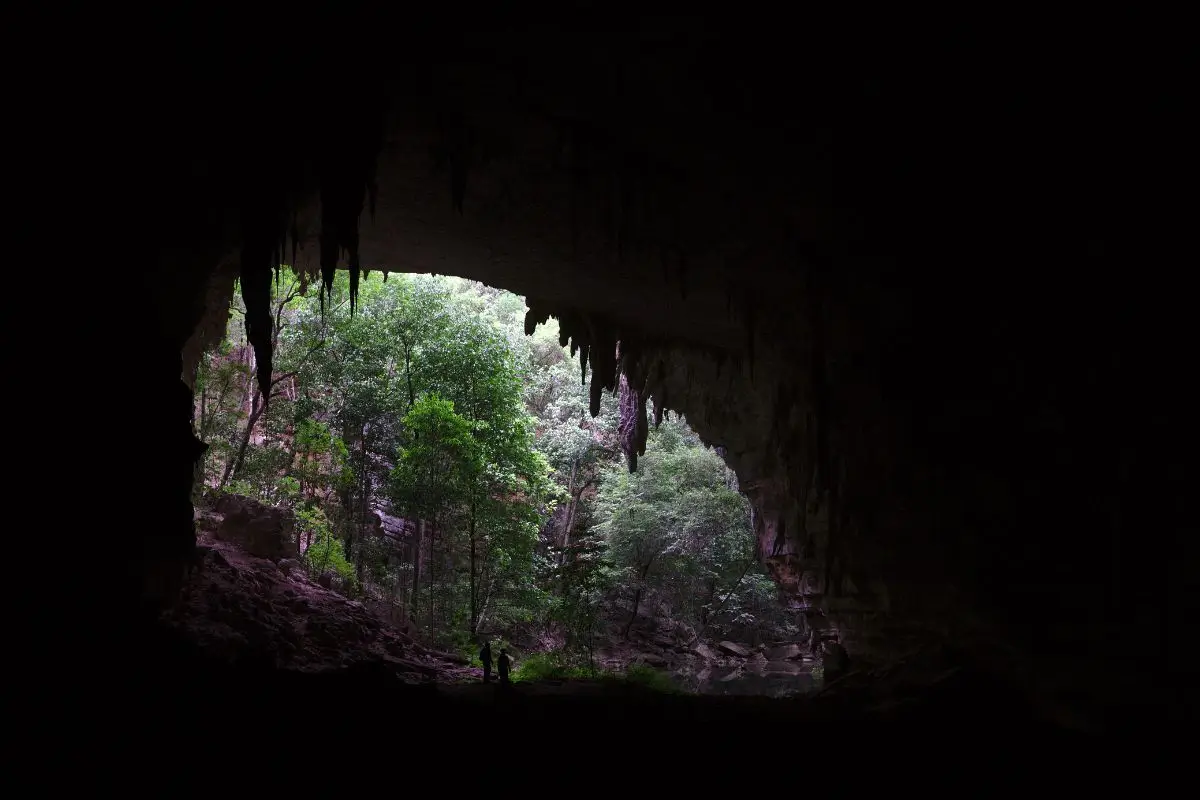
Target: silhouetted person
(502,666)
(485,655)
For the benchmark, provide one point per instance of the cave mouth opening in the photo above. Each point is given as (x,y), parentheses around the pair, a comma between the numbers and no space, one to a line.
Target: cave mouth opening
(983,497)
(432,468)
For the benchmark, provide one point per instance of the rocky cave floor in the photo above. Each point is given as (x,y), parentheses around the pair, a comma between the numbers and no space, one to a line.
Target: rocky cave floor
(248,633)
(237,607)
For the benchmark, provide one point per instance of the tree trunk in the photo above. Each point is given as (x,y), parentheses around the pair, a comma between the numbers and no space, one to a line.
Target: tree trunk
(200,473)
(412,394)
(235,466)
(713,616)
(416,580)
(637,601)
(203,408)
(366,492)
(570,521)
(637,597)
(474,585)
(487,601)
(432,569)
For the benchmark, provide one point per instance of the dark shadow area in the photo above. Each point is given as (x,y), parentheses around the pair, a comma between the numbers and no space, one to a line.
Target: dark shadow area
(887,274)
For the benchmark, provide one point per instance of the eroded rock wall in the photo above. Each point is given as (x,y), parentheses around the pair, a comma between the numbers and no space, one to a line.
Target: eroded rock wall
(885,365)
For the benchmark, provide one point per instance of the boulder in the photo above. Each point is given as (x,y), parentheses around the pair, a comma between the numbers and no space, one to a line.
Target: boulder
(782,668)
(733,649)
(652,660)
(785,652)
(286,565)
(259,529)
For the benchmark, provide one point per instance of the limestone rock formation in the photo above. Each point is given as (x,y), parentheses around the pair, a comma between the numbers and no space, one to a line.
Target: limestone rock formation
(734,649)
(240,606)
(785,652)
(868,315)
(263,531)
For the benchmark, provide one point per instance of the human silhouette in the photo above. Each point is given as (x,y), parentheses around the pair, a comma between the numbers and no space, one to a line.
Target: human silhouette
(502,666)
(485,655)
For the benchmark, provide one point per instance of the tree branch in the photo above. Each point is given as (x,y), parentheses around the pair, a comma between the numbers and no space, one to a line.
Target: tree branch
(712,616)
(284,376)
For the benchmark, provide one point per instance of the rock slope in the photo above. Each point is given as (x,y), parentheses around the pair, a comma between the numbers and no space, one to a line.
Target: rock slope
(239,607)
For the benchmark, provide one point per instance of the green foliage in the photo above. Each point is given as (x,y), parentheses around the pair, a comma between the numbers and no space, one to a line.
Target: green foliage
(560,666)
(650,678)
(549,666)
(440,462)
(326,551)
(679,529)
(430,403)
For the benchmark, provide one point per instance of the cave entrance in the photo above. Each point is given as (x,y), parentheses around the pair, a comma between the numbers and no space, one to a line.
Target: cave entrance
(800,321)
(427,463)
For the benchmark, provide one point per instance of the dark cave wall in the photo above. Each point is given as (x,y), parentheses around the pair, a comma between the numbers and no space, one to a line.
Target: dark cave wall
(936,389)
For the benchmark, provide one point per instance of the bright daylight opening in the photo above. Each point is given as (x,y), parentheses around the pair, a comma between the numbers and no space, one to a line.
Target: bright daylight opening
(425,479)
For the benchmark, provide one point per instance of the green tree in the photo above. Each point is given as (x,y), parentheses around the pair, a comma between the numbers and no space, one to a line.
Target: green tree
(429,402)
(436,473)
(678,529)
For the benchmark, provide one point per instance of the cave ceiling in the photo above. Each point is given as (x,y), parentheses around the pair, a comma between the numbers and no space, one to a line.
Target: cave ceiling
(799,242)
(727,209)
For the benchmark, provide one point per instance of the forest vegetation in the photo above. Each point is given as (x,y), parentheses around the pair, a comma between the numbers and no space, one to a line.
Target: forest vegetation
(443,467)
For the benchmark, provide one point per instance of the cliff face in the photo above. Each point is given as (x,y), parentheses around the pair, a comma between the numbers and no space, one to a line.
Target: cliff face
(880,350)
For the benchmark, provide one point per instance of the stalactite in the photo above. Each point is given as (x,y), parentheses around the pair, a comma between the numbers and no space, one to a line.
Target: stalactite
(632,425)
(659,392)
(566,324)
(258,249)
(341,154)
(603,353)
(354,275)
(534,316)
(329,259)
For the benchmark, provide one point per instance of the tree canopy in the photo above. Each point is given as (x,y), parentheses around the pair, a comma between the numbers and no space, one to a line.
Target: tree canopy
(445,467)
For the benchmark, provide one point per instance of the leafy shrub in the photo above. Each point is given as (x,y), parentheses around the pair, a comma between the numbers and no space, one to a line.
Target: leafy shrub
(326,551)
(288,488)
(553,666)
(558,666)
(650,678)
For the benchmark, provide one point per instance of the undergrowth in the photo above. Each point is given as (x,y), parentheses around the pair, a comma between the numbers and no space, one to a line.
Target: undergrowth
(555,666)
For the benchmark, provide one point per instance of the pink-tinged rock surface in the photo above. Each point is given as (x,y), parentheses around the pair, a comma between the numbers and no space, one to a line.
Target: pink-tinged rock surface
(237,606)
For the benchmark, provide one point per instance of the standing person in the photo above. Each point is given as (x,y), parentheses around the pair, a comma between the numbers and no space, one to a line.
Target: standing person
(485,655)
(502,666)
